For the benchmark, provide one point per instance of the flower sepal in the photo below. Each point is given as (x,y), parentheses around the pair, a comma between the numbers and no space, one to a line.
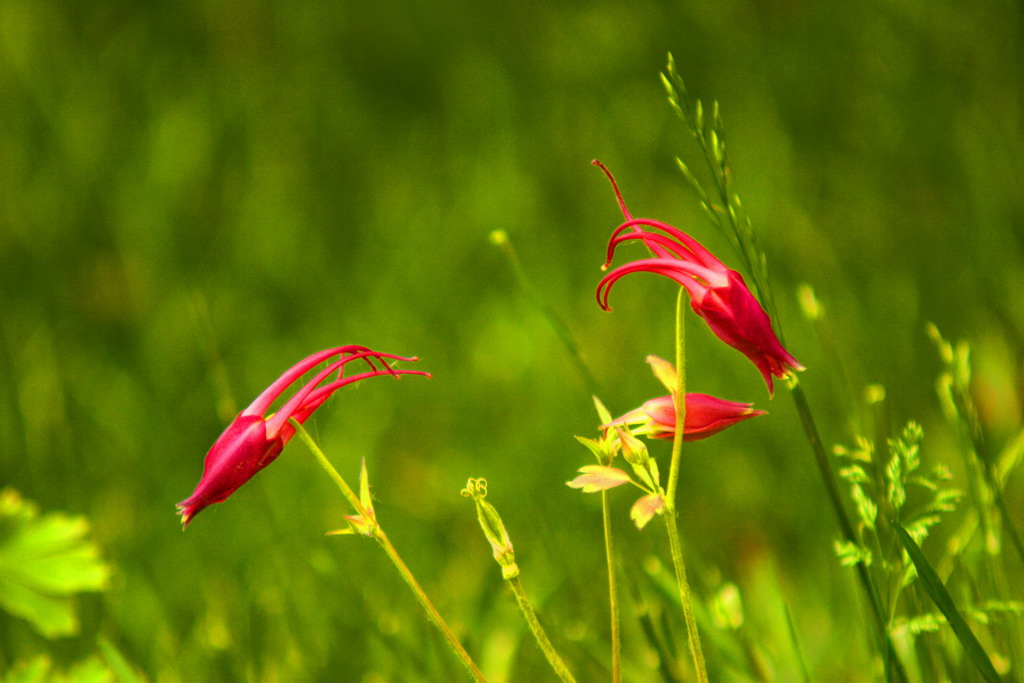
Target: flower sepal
(364,522)
(606,447)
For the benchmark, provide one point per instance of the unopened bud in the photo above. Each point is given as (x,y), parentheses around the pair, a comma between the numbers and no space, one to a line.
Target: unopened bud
(493,527)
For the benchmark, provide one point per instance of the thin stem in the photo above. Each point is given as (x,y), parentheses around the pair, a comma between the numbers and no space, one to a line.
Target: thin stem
(676,546)
(538,631)
(613,597)
(971,430)
(428,606)
(680,396)
(335,476)
(671,521)
(385,543)
(892,661)
(501,239)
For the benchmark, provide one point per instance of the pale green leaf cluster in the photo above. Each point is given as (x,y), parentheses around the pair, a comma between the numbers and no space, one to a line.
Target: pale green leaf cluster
(850,553)
(611,442)
(45,560)
(885,487)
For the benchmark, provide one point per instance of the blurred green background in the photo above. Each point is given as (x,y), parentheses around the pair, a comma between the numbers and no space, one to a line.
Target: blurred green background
(194,196)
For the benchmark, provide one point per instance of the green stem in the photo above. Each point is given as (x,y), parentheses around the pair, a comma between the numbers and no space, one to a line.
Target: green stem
(684,593)
(671,521)
(828,477)
(613,598)
(538,631)
(680,396)
(385,543)
(335,476)
(428,606)
(501,239)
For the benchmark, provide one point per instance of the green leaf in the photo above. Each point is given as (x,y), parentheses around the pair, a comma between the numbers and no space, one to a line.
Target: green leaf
(942,599)
(593,445)
(44,561)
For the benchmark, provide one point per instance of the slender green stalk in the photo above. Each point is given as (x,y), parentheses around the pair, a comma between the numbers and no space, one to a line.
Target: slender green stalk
(385,543)
(676,546)
(500,239)
(805,674)
(893,666)
(677,441)
(538,631)
(971,429)
(428,606)
(727,213)
(613,597)
(335,476)
(671,522)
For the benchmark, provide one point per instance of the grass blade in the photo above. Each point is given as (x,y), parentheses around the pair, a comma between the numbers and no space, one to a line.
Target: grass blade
(942,599)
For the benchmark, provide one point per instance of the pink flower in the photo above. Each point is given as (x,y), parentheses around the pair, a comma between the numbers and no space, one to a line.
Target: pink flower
(254,439)
(705,414)
(717,294)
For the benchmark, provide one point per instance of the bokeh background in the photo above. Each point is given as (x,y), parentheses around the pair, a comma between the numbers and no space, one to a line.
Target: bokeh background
(193,196)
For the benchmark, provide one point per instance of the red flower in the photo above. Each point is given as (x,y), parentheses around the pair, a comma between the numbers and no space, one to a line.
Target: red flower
(717,294)
(254,439)
(705,414)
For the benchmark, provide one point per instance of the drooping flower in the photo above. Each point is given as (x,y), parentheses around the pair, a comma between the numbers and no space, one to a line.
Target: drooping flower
(717,294)
(255,438)
(705,414)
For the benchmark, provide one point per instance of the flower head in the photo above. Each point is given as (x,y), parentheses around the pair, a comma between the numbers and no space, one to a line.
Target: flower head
(255,438)
(705,414)
(717,294)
